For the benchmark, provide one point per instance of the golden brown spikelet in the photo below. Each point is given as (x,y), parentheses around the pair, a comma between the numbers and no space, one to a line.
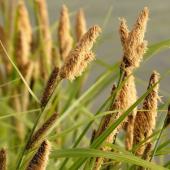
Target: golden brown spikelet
(23,36)
(64,37)
(3,159)
(88,39)
(129,132)
(44,30)
(40,159)
(124,32)
(4,40)
(145,120)
(49,86)
(146,155)
(38,135)
(19,126)
(80,24)
(88,57)
(77,60)
(133,42)
(137,33)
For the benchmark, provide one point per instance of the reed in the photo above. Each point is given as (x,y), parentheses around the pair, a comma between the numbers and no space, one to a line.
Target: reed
(64,37)
(145,120)
(80,25)
(3,159)
(38,135)
(81,55)
(40,159)
(44,70)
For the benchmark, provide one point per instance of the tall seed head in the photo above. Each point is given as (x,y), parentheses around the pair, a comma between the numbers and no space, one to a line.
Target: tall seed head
(44,29)
(42,131)
(80,24)
(145,120)
(64,37)
(133,42)
(40,159)
(49,87)
(3,159)
(23,36)
(79,57)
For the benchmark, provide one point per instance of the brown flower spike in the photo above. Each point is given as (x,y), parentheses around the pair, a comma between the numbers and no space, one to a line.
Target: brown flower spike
(145,120)
(49,87)
(40,159)
(3,159)
(23,36)
(80,24)
(42,131)
(78,59)
(64,37)
(44,29)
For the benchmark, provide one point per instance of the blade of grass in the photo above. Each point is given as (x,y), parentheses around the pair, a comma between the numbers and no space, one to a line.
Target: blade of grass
(158,139)
(86,153)
(22,78)
(157,47)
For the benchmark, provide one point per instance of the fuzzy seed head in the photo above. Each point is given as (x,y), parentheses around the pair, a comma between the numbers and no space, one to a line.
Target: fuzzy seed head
(3,159)
(123,31)
(64,37)
(40,159)
(80,24)
(137,33)
(42,131)
(133,42)
(79,57)
(23,35)
(49,87)
(145,120)
(44,28)
(88,39)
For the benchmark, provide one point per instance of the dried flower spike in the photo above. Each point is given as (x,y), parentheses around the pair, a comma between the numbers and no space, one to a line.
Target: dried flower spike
(23,36)
(42,131)
(49,87)
(134,48)
(78,59)
(133,42)
(145,120)
(3,159)
(80,24)
(64,37)
(146,155)
(45,30)
(40,159)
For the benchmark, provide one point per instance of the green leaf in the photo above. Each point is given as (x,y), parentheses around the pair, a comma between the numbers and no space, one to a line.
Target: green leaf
(120,157)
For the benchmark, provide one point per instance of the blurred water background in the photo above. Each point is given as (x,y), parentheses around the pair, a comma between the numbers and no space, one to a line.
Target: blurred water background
(108,12)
